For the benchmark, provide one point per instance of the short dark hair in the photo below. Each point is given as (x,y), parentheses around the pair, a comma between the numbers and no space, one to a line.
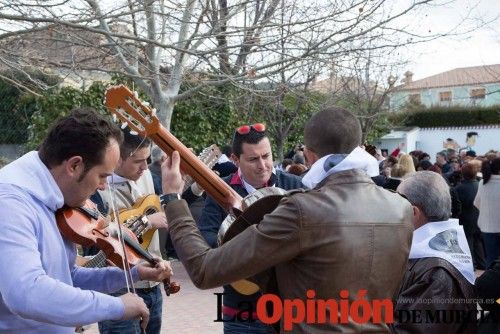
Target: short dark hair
(470,153)
(83,133)
(332,130)
(425,164)
(371,149)
(252,137)
(227,150)
(132,142)
(423,156)
(285,163)
(443,154)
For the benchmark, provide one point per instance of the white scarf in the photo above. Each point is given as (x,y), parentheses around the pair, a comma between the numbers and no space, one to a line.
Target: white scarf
(357,159)
(446,240)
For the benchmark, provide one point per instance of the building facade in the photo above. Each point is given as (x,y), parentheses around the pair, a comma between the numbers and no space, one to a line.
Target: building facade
(468,86)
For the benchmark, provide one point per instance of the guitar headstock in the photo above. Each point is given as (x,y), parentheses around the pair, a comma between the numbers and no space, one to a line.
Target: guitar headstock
(126,105)
(210,155)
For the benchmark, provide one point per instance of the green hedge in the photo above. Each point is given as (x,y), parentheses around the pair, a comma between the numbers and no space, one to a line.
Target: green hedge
(448,116)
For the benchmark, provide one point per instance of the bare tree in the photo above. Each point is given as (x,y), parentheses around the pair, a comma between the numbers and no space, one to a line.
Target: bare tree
(161,44)
(364,86)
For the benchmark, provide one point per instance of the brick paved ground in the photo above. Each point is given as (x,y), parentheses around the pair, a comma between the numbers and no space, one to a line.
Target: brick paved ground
(189,311)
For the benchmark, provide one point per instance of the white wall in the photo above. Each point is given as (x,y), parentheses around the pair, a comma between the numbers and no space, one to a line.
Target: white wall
(391,141)
(431,139)
(411,140)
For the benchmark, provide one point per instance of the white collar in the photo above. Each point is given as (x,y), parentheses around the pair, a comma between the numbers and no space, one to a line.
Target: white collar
(446,240)
(357,159)
(248,187)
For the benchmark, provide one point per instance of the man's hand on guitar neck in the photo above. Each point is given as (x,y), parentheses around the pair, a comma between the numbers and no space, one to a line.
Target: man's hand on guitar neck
(172,180)
(161,271)
(157,220)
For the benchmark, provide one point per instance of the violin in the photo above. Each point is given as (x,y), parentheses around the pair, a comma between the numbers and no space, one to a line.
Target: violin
(87,227)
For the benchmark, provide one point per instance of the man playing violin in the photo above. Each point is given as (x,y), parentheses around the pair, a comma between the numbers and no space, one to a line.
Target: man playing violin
(41,288)
(251,151)
(333,239)
(130,181)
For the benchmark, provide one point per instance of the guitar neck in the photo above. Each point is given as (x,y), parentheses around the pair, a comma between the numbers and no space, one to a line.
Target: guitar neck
(98,261)
(126,105)
(204,176)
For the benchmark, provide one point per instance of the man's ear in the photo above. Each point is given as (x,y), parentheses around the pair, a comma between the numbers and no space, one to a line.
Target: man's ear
(74,165)
(235,159)
(419,218)
(416,211)
(310,156)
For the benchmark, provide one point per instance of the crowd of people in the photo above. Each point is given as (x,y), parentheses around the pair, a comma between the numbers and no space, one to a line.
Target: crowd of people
(351,223)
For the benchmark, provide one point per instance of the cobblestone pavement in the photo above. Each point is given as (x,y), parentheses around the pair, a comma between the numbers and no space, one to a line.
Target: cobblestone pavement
(189,311)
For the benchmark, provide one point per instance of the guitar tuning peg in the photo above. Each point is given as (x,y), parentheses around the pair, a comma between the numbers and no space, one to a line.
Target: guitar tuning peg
(114,117)
(136,94)
(134,133)
(124,125)
(145,103)
(153,111)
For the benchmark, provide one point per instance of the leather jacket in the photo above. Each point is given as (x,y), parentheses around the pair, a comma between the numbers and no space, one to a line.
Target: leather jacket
(431,296)
(346,234)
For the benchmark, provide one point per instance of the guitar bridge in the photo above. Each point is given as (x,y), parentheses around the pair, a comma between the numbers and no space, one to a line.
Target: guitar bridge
(138,225)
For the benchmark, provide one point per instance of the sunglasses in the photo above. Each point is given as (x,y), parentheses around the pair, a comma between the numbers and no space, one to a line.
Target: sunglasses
(245,129)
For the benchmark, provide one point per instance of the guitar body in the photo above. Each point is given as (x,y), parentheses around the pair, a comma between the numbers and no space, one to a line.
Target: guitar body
(255,206)
(146,205)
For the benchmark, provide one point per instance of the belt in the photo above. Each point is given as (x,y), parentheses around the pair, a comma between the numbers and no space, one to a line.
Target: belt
(233,312)
(146,290)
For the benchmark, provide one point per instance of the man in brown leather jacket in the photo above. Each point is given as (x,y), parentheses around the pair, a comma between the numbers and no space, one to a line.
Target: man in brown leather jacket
(343,241)
(437,294)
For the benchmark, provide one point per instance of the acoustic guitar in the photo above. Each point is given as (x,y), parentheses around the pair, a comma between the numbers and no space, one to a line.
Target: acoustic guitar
(134,217)
(126,106)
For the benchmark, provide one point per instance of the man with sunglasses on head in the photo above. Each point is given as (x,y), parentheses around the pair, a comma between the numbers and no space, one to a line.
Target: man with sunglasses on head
(346,239)
(251,151)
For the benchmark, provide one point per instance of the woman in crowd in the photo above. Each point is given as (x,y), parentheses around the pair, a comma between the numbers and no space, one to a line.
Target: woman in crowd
(487,201)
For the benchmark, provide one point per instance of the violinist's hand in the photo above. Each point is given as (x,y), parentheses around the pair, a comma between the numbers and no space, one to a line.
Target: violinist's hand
(135,308)
(158,273)
(158,220)
(172,181)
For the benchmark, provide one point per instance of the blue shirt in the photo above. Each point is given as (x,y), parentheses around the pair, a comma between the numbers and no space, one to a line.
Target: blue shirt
(41,289)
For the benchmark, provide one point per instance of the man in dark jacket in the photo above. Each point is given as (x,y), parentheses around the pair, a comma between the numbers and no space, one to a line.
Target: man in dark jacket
(253,156)
(437,293)
(469,214)
(332,243)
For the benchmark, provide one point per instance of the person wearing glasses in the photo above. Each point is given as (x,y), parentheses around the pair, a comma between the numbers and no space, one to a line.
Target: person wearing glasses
(345,234)
(252,153)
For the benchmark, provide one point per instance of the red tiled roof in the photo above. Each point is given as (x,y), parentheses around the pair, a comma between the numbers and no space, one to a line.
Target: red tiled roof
(476,75)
